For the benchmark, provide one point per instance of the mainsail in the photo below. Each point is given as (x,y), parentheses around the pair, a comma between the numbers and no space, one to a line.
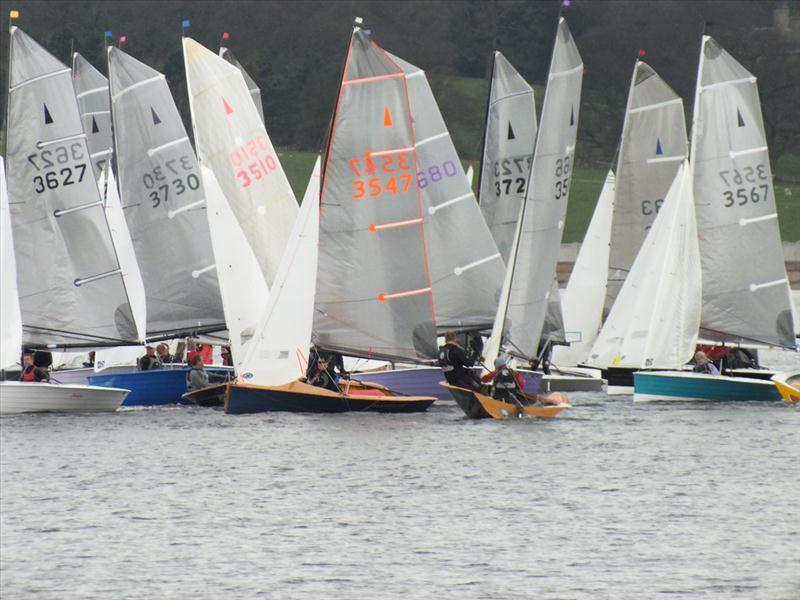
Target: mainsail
(508,143)
(10,318)
(252,86)
(534,251)
(91,89)
(71,286)
(374,294)
(164,202)
(652,148)
(654,321)
(465,267)
(746,295)
(232,142)
(586,290)
(276,353)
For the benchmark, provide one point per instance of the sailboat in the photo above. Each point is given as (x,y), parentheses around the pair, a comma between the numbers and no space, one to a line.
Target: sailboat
(164,204)
(78,297)
(508,147)
(744,301)
(520,316)
(788,385)
(370,223)
(91,90)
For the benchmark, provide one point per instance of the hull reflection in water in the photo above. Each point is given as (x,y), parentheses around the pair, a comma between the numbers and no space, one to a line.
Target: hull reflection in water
(242,398)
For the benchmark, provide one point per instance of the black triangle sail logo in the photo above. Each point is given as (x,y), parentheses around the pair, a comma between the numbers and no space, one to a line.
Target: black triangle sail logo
(95,128)
(572,116)
(156,120)
(739,118)
(47,118)
(511,135)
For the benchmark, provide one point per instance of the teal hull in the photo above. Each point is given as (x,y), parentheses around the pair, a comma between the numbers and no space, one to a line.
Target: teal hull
(686,387)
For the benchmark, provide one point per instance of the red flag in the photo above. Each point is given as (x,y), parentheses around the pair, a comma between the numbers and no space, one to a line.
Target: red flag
(642,52)
(225,35)
(122,39)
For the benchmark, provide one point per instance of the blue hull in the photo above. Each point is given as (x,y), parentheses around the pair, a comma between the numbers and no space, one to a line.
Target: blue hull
(152,388)
(680,387)
(424,381)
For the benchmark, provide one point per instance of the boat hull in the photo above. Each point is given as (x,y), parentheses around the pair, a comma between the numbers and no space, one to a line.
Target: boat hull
(153,388)
(209,397)
(480,406)
(243,398)
(788,385)
(677,386)
(17,397)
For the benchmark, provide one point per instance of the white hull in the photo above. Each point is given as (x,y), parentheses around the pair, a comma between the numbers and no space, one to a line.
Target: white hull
(18,397)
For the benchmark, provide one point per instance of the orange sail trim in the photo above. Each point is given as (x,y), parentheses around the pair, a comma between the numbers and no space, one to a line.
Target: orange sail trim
(387,117)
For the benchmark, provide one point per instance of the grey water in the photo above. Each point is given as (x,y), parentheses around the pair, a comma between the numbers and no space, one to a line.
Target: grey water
(609,500)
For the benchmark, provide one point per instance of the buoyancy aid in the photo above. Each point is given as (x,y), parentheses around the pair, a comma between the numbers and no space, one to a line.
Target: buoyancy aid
(444,359)
(29,374)
(505,380)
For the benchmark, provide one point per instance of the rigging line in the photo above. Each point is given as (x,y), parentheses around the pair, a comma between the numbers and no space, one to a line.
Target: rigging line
(735,153)
(720,84)
(759,286)
(173,213)
(661,159)
(743,222)
(66,211)
(373,78)
(157,149)
(431,138)
(472,265)
(196,273)
(92,91)
(432,209)
(514,95)
(373,227)
(97,112)
(81,281)
(138,84)
(654,106)
(39,78)
(101,153)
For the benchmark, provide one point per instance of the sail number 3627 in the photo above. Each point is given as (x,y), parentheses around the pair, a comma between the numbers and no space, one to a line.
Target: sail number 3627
(60,175)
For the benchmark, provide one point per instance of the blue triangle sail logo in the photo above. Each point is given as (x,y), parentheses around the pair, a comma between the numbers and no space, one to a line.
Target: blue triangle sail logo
(659,150)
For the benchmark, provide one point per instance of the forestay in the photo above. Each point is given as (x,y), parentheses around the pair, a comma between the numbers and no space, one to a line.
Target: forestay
(373,287)
(655,319)
(746,295)
(508,143)
(91,90)
(163,201)
(276,354)
(466,268)
(10,318)
(652,148)
(586,290)
(232,142)
(532,262)
(70,283)
(244,291)
(252,86)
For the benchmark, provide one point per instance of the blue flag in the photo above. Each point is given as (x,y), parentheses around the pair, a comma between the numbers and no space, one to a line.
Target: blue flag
(186,23)
(109,34)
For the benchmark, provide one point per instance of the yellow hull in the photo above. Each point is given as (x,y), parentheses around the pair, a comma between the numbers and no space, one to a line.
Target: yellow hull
(788,385)
(477,405)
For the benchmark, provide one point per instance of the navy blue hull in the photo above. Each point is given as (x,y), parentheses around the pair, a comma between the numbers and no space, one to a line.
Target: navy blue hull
(152,388)
(244,400)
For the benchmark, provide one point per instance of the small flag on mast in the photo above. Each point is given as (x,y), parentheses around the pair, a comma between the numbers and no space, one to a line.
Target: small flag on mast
(109,34)
(185,24)
(13,14)
(122,39)
(225,35)
(566,3)
(642,52)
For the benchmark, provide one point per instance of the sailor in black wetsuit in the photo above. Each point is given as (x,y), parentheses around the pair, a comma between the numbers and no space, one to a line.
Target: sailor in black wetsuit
(456,364)
(324,376)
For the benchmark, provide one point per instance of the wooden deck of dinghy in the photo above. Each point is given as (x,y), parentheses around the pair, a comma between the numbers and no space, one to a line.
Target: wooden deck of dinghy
(481,406)
(298,396)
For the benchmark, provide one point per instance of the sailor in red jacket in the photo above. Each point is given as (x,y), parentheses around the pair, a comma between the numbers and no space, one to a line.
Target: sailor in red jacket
(506,381)
(30,372)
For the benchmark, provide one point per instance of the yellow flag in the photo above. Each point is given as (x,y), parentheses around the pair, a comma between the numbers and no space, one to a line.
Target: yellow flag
(14,14)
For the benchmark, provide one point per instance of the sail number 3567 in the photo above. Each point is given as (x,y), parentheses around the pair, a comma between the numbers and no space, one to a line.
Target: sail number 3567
(740,196)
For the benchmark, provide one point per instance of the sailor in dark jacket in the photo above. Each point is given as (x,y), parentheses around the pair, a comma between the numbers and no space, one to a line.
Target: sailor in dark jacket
(507,382)
(324,376)
(456,364)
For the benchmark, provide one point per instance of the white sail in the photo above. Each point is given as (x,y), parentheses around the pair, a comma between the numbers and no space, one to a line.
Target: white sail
(583,299)
(508,144)
(534,252)
(466,269)
(652,148)
(470,176)
(244,291)
(252,86)
(94,104)
(70,283)
(163,201)
(10,317)
(746,295)
(655,319)
(123,244)
(232,142)
(276,353)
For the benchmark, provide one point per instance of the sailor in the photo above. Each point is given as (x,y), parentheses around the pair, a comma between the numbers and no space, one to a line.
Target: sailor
(456,364)
(507,382)
(703,365)
(196,378)
(162,350)
(324,376)
(30,372)
(149,361)
(334,360)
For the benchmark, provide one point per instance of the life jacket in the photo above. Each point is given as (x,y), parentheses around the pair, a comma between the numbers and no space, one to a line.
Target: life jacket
(29,374)
(505,380)
(444,359)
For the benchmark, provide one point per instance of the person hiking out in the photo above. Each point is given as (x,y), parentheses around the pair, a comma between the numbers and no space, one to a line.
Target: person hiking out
(456,365)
